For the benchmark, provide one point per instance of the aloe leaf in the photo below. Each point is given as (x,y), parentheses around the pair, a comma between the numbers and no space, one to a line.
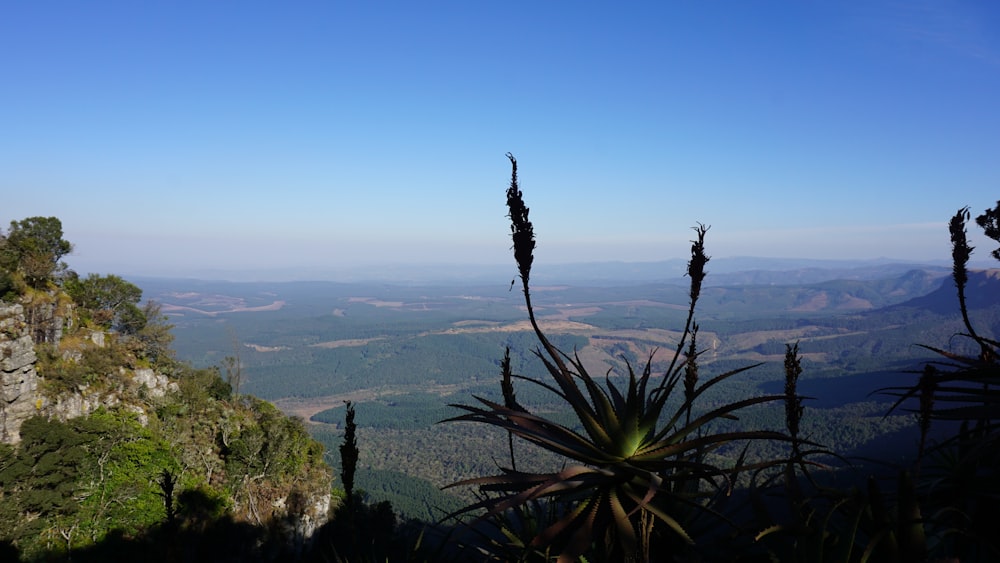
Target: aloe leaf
(617,399)
(626,531)
(669,520)
(574,397)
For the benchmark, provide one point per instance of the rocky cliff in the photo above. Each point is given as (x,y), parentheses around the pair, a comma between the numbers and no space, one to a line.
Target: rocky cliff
(20,394)
(19,399)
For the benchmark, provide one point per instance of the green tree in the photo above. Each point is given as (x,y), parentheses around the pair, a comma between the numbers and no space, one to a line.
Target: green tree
(155,337)
(122,492)
(111,302)
(234,365)
(41,483)
(33,248)
(263,449)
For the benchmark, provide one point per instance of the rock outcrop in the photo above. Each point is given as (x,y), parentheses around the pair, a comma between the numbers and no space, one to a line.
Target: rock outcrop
(19,399)
(20,396)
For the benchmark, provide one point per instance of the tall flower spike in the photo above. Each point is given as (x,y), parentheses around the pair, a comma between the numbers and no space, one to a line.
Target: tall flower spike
(696,266)
(509,399)
(695,271)
(960,253)
(691,371)
(793,402)
(521,230)
(960,249)
(793,417)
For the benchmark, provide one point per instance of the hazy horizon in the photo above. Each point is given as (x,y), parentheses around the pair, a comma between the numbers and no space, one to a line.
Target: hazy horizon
(500,273)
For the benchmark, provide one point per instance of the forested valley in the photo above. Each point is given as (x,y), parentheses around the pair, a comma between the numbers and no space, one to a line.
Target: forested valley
(402,354)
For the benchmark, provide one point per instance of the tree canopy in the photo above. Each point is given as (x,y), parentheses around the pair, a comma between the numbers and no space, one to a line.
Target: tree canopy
(111,300)
(33,249)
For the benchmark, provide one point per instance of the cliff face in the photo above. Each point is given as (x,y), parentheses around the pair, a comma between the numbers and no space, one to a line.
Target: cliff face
(19,399)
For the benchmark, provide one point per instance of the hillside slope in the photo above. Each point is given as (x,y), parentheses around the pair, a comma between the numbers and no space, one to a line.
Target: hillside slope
(105,438)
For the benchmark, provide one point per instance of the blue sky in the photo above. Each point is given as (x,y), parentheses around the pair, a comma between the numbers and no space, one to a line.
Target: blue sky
(175,137)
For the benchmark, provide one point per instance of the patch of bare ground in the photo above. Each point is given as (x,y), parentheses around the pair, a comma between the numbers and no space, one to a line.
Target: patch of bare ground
(648,336)
(842,334)
(475,323)
(566,313)
(547,325)
(180,310)
(856,304)
(230,307)
(306,408)
(259,348)
(346,342)
(821,301)
(816,303)
(272,307)
(648,303)
(749,340)
(375,302)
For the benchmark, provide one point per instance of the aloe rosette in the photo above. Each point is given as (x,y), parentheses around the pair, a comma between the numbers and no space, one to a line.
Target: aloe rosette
(632,460)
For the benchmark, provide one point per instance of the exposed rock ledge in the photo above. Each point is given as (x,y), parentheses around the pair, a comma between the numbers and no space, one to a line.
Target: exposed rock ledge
(19,395)
(19,398)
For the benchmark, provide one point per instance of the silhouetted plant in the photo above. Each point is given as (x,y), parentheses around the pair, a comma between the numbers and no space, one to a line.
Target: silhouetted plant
(167,483)
(793,417)
(960,482)
(989,221)
(349,454)
(509,399)
(805,520)
(358,531)
(821,522)
(633,461)
(691,373)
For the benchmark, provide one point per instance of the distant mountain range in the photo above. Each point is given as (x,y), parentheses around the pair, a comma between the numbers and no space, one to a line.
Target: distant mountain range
(722,271)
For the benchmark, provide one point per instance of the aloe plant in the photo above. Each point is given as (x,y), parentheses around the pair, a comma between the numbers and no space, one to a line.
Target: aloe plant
(636,461)
(959,478)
